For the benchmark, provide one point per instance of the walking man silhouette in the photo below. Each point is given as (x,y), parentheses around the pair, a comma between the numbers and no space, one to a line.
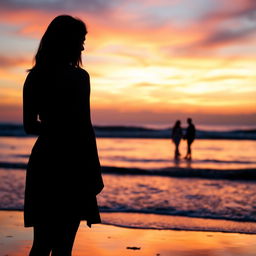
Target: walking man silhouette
(190,137)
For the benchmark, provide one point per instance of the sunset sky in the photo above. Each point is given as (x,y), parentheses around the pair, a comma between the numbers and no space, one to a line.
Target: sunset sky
(150,61)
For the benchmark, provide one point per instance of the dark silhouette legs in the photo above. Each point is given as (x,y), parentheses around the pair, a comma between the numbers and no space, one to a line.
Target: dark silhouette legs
(188,155)
(177,152)
(57,239)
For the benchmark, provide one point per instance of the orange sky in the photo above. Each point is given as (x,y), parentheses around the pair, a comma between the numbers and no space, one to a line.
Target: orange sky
(151,62)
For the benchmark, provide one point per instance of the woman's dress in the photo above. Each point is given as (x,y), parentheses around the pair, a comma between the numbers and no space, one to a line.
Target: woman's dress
(63,172)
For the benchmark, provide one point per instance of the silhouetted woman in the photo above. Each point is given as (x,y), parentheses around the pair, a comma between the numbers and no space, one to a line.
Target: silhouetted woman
(176,137)
(63,173)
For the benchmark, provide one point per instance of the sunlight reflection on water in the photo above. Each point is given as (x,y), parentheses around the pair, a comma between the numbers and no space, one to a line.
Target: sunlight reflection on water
(152,153)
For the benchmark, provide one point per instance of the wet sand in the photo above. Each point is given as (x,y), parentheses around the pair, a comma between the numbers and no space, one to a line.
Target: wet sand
(108,240)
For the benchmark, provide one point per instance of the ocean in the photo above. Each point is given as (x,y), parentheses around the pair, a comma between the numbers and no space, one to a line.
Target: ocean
(145,187)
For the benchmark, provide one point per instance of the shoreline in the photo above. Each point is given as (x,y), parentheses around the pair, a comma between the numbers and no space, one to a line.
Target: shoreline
(151,221)
(110,240)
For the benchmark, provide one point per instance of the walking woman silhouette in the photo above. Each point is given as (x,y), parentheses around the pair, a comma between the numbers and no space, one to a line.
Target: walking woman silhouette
(176,137)
(63,172)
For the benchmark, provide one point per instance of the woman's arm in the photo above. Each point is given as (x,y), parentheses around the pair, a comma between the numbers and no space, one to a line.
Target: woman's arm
(30,111)
(98,183)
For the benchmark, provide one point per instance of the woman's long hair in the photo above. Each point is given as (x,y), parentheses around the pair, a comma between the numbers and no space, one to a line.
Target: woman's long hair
(177,125)
(61,43)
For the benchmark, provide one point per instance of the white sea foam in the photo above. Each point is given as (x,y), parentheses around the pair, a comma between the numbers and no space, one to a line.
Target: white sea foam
(201,198)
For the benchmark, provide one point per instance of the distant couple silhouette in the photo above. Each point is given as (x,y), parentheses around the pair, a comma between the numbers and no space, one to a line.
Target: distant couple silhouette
(177,135)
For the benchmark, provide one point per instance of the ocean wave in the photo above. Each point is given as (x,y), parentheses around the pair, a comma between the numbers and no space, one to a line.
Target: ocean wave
(234,174)
(167,222)
(238,174)
(172,222)
(165,198)
(191,214)
(161,160)
(163,211)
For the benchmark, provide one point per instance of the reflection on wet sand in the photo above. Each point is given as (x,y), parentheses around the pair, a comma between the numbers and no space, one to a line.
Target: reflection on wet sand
(107,240)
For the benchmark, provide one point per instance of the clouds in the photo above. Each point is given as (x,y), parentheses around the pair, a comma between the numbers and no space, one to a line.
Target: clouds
(228,36)
(213,41)
(186,29)
(234,22)
(145,56)
(166,118)
(59,5)
(8,62)
(232,9)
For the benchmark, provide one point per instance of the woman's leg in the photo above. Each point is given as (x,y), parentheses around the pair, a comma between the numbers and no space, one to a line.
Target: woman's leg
(55,238)
(177,152)
(64,237)
(178,144)
(42,244)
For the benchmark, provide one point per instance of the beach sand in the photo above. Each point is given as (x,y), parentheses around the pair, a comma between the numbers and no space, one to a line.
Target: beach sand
(108,240)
